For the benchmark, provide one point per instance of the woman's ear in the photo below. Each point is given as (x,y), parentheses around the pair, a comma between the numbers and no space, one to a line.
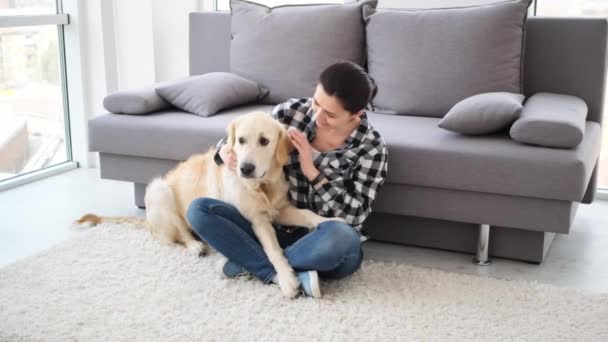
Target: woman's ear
(284,147)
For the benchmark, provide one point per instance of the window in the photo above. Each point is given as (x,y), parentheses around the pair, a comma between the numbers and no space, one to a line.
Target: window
(572,8)
(27,7)
(33,117)
(582,8)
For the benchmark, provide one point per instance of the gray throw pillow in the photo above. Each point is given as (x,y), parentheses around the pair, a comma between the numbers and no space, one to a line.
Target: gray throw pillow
(425,61)
(551,120)
(135,101)
(286,48)
(483,114)
(207,94)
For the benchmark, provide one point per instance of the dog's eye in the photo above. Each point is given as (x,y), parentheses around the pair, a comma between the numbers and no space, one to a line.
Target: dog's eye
(264,141)
(241,140)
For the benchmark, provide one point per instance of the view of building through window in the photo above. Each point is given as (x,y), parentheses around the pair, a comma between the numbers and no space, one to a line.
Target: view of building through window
(32,127)
(27,7)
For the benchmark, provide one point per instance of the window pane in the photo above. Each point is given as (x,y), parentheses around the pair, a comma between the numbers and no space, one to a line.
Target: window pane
(32,127)
(572,8)
(582,8)
(431,3)
(223,5)
(27,7)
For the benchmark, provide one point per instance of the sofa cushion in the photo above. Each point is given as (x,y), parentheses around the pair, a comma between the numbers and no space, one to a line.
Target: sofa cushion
(421,153)
(483,113)
(425,61)
(207,94)
(172,135)
(135,101)
(286,48)
(552,120)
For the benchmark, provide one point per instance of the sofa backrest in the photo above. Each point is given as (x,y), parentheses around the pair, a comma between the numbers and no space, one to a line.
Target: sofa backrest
(209,42)
(562,55)
(568,56)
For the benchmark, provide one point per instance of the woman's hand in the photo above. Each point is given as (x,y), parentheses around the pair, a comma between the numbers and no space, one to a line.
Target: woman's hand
(228,157)
(299,140)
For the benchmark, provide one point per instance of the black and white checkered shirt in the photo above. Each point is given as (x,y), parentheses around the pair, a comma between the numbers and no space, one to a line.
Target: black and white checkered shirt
(355,172)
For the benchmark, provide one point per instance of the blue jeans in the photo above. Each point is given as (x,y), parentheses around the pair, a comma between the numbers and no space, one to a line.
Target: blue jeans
(333,248)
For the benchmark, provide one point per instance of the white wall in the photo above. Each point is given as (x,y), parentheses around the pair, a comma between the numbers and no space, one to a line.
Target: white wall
(93,58)
(431,3)
(144,41)
(134,43)
(170,36)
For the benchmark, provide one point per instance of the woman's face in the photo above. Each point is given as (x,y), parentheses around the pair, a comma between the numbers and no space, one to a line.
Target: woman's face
(329,112)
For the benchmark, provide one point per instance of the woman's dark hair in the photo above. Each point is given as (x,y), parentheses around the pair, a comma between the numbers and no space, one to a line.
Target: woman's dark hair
(350,83)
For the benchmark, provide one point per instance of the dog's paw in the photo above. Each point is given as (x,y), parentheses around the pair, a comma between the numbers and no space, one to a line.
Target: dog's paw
(289,284)
(197,248)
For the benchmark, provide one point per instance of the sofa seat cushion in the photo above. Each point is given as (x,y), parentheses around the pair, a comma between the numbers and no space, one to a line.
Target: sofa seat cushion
(421,153)
(172,135)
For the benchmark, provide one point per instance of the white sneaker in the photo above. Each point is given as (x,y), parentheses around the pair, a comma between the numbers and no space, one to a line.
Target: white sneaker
(309,283)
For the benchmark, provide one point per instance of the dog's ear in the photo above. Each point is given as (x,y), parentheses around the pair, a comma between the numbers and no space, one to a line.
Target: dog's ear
(284,146)
(231,134)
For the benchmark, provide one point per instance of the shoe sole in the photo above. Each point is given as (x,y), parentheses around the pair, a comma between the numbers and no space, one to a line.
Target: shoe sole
(242,273)
(314,284)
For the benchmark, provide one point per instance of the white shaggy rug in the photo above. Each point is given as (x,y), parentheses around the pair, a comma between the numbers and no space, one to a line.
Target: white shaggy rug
(115,283)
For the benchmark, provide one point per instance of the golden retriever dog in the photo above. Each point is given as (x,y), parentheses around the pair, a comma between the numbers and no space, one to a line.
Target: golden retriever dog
(258,189)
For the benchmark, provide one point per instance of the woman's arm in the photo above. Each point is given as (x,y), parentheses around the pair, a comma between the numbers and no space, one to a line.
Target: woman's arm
(352,199)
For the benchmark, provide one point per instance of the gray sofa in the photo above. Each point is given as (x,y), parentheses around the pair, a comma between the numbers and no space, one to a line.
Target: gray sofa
(481,195)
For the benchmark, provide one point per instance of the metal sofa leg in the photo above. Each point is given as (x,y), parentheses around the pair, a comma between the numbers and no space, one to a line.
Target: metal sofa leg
(483,245)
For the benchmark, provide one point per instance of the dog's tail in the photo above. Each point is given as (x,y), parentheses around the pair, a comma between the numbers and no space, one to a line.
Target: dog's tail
(91,220)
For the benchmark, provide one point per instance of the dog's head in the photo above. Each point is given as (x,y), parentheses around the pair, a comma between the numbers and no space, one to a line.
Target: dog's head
(260,143)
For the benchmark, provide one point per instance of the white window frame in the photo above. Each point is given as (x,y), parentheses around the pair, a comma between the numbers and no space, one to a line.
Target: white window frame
(33,20)
(71,102)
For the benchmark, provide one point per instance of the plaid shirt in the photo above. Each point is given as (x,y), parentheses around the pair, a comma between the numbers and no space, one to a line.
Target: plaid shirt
(355,172)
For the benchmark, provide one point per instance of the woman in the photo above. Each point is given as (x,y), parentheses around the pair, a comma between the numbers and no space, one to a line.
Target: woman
(337,167)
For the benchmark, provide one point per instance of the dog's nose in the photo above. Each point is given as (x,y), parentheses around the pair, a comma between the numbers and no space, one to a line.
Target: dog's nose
(247,169)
